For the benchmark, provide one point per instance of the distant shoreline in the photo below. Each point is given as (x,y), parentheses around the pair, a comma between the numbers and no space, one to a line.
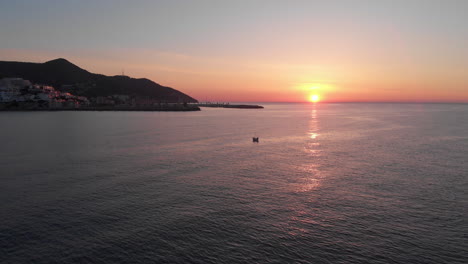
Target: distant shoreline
(162,108)
(159,108)
(169,108)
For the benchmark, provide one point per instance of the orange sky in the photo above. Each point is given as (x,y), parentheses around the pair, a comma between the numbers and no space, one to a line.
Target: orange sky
(385,51)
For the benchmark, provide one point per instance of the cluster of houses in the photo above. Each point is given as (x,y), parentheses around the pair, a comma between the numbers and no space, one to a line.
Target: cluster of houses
(16,92)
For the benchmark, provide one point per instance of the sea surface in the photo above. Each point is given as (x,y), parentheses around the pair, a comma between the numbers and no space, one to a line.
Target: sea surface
(327,183)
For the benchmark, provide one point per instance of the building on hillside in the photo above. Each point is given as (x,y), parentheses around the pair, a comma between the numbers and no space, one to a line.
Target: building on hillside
(10,88)
(18,91)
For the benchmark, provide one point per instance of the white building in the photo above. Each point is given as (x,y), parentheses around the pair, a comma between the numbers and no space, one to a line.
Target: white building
(19,90)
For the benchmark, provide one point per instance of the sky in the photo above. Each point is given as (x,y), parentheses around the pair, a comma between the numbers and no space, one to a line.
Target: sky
(255,51)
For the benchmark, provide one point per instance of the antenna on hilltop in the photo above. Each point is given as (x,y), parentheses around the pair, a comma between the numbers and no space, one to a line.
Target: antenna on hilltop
(123,72)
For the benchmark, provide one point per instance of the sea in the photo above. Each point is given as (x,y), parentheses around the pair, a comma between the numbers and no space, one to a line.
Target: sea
(326,183)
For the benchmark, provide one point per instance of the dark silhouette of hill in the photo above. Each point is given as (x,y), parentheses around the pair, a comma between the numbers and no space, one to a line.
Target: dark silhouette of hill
(66,76)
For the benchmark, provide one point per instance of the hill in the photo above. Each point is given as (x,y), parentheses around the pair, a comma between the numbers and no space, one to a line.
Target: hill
(68,77)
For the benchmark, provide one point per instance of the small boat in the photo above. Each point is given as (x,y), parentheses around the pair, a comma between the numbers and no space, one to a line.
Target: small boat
(255,139)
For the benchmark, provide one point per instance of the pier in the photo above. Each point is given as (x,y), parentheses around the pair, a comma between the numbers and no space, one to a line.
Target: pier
(228,105)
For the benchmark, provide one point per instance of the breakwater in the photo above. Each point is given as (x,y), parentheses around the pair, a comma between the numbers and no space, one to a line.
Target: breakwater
(223,105)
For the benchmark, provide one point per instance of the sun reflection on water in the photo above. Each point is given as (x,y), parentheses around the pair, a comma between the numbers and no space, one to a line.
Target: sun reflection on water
(310,168)
(313,143)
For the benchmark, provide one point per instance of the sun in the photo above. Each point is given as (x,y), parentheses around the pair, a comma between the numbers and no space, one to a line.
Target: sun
(314,98)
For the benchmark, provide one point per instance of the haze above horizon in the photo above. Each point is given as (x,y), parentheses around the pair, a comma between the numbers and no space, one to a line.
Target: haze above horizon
(257,51)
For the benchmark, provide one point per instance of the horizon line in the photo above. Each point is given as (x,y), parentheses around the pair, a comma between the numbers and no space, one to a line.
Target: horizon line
(352,102)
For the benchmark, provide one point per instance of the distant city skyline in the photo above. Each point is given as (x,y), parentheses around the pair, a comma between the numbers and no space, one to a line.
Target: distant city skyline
(257,51)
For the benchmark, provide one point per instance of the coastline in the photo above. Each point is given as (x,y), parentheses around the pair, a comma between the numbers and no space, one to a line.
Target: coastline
(158,108)
(168,108)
